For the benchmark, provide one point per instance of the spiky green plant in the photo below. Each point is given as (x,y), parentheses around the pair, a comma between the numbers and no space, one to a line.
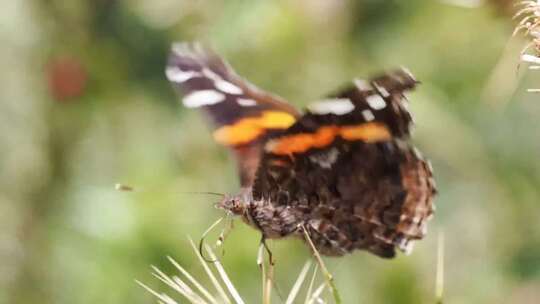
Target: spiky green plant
(188,287)
(192,290)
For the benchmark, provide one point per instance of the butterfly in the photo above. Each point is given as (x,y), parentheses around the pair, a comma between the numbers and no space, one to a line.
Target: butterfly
(343,170)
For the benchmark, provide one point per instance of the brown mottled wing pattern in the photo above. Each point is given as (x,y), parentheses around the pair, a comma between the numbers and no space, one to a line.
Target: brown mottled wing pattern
(349,174)
(242,115)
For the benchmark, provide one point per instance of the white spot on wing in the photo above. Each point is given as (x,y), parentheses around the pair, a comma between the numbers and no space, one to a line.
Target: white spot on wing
(203,98)
(220,83)
(325,159)
(245,102)
(368,115)
(211,74)
(337,106)
(530,58)
(376,102)
(408,73)
(384,92)
(362,85)
(175,74)
(227,87)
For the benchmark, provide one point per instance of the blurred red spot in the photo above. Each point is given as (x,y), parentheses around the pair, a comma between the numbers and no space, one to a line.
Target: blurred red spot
(66,78)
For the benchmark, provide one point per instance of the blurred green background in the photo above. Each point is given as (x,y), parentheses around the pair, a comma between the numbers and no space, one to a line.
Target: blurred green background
(84,104)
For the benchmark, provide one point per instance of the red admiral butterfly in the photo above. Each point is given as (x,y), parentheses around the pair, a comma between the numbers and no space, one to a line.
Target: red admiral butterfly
(343,170)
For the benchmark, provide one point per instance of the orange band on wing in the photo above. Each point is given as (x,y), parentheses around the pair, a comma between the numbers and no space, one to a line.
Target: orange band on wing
(324,136)
(368,132)
(302,142)
(247,129)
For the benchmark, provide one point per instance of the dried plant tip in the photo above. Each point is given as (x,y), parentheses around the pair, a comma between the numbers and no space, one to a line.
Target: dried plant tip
(122,187)
(529,16)
(439,280)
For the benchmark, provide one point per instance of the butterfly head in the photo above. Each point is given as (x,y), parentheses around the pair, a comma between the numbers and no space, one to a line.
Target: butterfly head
(235,204)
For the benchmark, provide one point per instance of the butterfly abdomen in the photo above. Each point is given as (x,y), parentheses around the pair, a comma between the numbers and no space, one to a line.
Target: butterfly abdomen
(274,221)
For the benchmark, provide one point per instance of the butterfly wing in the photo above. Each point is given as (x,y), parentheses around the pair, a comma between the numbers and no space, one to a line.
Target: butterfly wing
(347,171)
(380,100)
(242,115)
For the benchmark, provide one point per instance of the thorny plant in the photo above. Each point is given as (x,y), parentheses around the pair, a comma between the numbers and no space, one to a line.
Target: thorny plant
(225,292)
(195,292)
(529,24)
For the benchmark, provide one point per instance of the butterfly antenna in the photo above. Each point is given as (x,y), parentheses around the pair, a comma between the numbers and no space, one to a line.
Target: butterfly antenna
(128,188)
(204,192)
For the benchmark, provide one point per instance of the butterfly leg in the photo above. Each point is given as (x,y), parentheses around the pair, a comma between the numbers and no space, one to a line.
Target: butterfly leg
(266,272)
(264,246)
